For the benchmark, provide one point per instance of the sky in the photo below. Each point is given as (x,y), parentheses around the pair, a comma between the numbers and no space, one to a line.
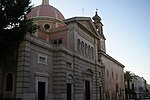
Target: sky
(126,28)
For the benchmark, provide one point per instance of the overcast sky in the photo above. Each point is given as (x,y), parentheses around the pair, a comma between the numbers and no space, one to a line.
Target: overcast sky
(126,28)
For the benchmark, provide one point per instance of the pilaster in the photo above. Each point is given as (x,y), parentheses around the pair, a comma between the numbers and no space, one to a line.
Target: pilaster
(59,80)
(23,69)
(0,80)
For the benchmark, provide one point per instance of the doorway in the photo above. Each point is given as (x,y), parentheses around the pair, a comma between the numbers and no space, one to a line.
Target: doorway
(69,91)
(87,90)
(41,90)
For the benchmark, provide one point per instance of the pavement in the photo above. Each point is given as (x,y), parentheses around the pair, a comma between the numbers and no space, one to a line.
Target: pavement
(140,99)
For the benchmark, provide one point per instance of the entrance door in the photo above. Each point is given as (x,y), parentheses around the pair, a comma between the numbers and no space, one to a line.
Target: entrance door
(87,90)
(100,93)
(8,92)
(41,90)
(69,91)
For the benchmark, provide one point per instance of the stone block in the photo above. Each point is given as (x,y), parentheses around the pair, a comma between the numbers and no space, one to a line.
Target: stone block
(19,79)
(19,95)
(19,90)
(20,73)
(50,96)
(26,79)
(26,85)
(20,69)
(20,63)
(27,62)
(27,68)
(28,96)
(21,58)
(26,74)
(23,68)
(19,85)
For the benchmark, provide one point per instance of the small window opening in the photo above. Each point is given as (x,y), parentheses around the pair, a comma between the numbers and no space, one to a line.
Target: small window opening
(60,41)
(47,26)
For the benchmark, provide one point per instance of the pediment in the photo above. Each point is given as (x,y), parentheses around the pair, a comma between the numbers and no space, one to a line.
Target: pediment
(84,23)
(88,25)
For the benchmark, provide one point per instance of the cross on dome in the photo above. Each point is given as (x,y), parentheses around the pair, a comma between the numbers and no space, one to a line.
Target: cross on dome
(96,9)
(45,2)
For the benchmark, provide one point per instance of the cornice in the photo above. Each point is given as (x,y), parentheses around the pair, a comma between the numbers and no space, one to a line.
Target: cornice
(111,58)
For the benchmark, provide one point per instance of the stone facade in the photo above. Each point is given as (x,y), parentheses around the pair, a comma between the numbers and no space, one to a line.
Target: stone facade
(1,80)
(114,78)
(139,87)
(64,60)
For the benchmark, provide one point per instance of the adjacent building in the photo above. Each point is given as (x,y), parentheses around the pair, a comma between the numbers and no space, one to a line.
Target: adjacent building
(65,59)
(114,79)
(139,87)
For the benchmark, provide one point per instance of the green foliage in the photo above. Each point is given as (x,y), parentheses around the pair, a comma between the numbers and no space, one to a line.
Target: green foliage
(14,24)
(128,79)
(127,76)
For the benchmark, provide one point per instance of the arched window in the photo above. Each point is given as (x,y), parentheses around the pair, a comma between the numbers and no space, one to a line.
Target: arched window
(70,81)
(35,33)
(78,45)
(132,86)
(89,51)
(117,87)
(59,41)
(82,47)
(107,73)
(112,75)
(92,52)
(116,76)
(88,76)
(100,74)
(55,42)
(86,49)
(9,82)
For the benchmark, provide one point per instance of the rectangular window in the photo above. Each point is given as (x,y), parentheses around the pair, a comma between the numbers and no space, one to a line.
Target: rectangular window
(87,90)
(42,59)
(69,91)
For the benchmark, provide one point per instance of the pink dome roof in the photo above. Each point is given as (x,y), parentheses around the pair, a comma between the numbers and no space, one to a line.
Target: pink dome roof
(46,11)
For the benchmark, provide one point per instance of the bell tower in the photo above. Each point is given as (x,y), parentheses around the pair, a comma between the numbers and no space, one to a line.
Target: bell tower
(45,2)
(99,27)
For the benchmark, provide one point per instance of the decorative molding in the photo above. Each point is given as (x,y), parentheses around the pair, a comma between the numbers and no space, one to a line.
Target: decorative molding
(41,74)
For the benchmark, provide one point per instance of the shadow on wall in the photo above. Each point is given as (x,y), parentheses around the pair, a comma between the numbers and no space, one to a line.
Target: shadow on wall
(9,99)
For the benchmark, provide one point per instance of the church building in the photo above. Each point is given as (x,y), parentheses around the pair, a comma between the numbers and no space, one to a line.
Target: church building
(65,59)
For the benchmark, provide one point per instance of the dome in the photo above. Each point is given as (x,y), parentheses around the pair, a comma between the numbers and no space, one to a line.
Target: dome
(47,11)
(96,17)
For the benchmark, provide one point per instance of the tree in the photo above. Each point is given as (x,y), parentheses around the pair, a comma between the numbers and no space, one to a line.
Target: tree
(128,79)
(13,24)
